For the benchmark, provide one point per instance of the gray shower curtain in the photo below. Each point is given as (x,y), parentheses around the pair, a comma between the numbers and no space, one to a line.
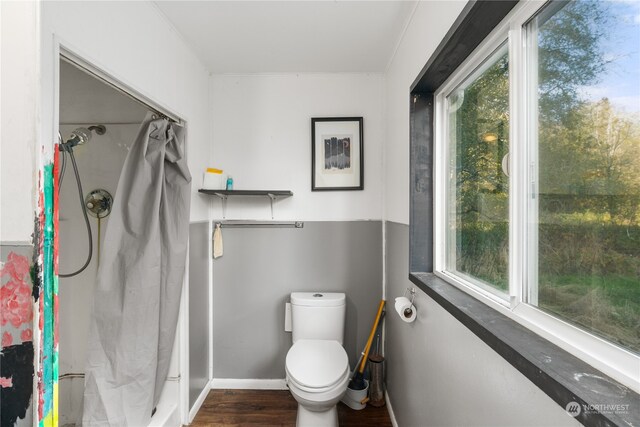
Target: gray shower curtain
(139,283)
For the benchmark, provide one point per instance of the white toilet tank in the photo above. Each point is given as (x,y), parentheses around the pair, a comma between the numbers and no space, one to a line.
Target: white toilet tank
(318,316)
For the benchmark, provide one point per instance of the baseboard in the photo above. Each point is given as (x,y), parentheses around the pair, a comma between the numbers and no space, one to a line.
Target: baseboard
(199,401)
(392,416)
(249,384)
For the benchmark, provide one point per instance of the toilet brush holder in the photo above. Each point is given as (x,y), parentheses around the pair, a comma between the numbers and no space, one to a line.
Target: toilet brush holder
(376,390)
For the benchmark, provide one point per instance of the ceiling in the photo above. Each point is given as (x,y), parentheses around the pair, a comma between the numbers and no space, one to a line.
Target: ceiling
(290,36)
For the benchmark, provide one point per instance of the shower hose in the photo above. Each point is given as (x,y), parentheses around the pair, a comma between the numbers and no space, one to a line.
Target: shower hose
(82,207)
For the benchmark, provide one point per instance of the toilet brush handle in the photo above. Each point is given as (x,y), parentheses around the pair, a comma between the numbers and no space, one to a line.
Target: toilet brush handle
(371,335)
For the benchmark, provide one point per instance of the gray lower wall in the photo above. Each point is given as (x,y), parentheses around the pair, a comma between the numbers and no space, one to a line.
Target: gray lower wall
(198,309)
(262,266)
(440,374)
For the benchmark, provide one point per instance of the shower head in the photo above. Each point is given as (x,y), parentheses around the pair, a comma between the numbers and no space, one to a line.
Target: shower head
(81,136)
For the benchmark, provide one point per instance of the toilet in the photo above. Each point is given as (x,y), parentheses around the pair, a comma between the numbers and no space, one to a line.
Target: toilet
(317,366)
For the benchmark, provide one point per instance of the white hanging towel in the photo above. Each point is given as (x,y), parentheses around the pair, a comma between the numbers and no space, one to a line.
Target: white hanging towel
(218,249)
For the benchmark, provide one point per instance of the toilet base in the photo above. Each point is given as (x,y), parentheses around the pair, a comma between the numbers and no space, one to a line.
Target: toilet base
(307,418)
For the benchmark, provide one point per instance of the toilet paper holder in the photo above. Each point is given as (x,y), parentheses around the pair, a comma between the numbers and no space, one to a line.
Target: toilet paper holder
(412,292)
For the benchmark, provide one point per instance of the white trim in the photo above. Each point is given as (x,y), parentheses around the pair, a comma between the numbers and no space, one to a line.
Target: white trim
(517,226)
(392,415)
(210,304)
(531,160)
(199,401)
(248,384)
(183,327)
(458,280)
(618,363)
(470,70)
(440,162)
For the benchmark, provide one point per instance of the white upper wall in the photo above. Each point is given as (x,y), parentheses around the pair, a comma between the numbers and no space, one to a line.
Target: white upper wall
(249,115)
(19,93)
(429,24)
(262,137)
(134,43)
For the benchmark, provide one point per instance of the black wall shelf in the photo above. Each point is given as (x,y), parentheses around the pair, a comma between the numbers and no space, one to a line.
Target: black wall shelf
(268,193)
(224,194)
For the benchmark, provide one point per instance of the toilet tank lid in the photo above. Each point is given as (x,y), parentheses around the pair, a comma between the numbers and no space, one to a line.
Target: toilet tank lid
(318,299)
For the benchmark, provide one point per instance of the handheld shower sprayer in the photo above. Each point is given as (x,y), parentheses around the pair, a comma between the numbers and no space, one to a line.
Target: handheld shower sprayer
(79,136)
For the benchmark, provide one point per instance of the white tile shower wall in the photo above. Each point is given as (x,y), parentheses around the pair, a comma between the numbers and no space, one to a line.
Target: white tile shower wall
(262,137)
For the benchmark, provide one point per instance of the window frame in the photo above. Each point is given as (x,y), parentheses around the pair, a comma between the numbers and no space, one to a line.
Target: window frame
(617,362)
(475,65)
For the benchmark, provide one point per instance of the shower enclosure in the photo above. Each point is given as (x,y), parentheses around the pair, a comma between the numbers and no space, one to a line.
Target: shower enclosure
(105,123)
(99,164)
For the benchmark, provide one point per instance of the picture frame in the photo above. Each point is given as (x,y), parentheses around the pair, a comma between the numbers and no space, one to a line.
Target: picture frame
(337,153)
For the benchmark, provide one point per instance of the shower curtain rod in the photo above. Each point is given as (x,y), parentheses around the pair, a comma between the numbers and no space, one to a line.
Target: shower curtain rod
(102,123)
(106,80)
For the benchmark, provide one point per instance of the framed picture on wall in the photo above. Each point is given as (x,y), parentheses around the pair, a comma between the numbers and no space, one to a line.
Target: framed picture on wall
(337,160)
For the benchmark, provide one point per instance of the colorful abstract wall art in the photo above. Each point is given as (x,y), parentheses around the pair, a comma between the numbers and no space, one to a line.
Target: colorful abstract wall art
(16,331)
(46,284)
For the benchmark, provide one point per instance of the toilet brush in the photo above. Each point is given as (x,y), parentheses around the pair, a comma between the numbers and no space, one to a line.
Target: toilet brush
(355,369)
(357,382)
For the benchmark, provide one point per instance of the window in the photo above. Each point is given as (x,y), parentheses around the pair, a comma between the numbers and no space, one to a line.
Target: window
(478,189)
(537,175)
(588,144)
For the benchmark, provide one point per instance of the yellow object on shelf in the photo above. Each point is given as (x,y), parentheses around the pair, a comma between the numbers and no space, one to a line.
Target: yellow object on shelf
(214,179)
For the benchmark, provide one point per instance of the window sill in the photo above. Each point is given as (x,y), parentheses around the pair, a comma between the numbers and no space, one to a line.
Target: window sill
(549,367)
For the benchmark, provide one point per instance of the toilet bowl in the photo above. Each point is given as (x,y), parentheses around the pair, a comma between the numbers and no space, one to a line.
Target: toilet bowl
(317,375)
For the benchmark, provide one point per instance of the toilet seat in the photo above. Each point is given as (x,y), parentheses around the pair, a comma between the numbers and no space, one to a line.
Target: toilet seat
(316,366)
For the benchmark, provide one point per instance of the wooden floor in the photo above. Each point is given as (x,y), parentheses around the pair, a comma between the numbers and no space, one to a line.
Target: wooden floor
(273,408)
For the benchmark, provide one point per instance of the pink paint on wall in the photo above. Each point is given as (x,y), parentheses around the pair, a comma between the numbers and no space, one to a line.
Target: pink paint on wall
(6,382)
(7,339)
(26,335)
(15,294)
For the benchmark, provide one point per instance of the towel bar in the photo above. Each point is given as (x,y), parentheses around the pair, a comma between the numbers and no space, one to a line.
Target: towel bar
(257,224)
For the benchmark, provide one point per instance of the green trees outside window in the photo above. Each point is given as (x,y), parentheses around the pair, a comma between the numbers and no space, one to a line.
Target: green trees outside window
(589,167)
(584,69)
